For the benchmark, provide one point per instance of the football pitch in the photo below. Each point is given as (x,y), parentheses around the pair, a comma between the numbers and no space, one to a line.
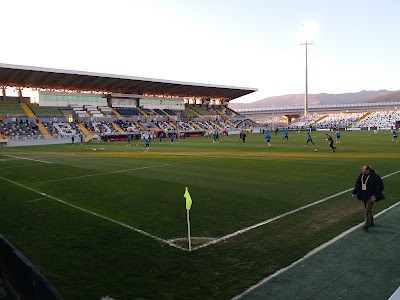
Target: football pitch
(109,219)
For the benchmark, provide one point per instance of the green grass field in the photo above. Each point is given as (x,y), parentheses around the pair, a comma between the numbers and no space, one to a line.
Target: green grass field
(48,209)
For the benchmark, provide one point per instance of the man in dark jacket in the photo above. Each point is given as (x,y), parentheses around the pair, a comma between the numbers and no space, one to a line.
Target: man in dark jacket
(368,189)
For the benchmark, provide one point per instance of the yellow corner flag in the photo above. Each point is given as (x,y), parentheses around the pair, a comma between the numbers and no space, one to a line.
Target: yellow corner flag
(188,199)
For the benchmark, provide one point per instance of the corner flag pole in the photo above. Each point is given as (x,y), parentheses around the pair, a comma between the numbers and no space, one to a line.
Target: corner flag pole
(188,224)
(188,206)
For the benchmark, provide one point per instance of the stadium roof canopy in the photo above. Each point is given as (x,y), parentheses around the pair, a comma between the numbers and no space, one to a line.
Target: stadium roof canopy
(45,78)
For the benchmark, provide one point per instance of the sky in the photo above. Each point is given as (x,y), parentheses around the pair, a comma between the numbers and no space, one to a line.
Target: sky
(244,43)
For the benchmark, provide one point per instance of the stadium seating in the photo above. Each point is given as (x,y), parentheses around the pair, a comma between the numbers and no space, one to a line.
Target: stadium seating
(340,120)
(189,113)
(100,128)
(381,119)
(11,108)
(128,126)
(20,129)
(170,112)
(128,112)
(46,111)
(201,110)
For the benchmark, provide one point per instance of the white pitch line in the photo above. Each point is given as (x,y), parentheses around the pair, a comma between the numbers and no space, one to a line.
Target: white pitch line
(121,171)
(18,157)
(98,215)
(312,252)
(221,239)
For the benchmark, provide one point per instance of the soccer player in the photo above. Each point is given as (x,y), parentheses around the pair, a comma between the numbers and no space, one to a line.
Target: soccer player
(129,139)
(330,140)
(369,189)
(172,137)
(395,135)
(148,141)
(276,130)
(268,138)
(337,136)
(309,139)
(286,135)
(160,136)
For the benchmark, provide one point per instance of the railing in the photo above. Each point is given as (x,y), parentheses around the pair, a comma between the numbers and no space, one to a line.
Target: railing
(22,279)
(321,107)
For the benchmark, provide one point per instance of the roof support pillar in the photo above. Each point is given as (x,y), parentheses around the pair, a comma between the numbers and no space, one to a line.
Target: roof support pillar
(20,94)
(3,90)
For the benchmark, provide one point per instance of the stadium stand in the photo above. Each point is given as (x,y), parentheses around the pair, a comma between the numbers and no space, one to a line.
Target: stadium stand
(129,112)
(306,121)
(47,111)
(340,120)
(20,129)
(382,119)
(201,111)
(11,108)
(100,128)
(159,112)
(189,113)
(127,126)
(170,112)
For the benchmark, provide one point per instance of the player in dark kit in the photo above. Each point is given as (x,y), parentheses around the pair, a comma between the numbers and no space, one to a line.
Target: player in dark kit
(330,140)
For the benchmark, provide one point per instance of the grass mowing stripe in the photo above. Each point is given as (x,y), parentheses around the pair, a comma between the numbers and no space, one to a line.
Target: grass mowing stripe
(314,251)
(30,165)
(97,215)
(121,171)
(221,239)
(18,157)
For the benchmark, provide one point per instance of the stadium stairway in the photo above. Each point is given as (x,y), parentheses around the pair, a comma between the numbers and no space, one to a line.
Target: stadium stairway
(197,114)
(320,119)
(362,118)
(140,126)
(28,111)
(167,114)
(142,112)
(117,113)
(117,128)
(217,126)
(232,124)
(44,131)
(83,129)
(173,125)
(90,138)
(196,126)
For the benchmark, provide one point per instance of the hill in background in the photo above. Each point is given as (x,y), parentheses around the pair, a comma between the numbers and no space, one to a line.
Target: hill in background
(323,99)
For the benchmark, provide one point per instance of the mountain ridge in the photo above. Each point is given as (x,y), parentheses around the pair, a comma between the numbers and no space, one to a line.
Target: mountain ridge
(322,99)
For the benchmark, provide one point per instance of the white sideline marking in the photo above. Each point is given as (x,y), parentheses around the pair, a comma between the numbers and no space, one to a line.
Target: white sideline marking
(396,295)
(42,161)
(121,171)
(221,239)
(312,252)
(98,215)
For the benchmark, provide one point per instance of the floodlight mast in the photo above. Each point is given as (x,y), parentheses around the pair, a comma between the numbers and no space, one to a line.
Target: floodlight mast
(306,43)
